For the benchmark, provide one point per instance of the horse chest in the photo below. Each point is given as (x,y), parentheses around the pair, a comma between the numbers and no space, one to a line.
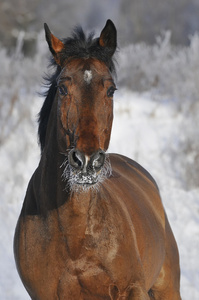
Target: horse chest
(100,247)
(89,233)
(94,260)
(82,247)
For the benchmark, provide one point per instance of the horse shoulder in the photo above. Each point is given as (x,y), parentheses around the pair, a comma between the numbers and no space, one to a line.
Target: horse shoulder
(137,195)
(143,189)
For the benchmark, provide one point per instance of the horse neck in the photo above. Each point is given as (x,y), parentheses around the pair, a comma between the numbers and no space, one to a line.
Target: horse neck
(51,192)
(54,191)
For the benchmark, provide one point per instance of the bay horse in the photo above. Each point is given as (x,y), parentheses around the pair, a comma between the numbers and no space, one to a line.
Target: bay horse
(92,225)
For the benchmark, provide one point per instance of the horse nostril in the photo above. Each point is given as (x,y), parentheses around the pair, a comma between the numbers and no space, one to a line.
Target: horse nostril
(76,159)
(81,162)
(98,159)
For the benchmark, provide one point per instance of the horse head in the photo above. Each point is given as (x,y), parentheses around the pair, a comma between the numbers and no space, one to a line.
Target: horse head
(85,89)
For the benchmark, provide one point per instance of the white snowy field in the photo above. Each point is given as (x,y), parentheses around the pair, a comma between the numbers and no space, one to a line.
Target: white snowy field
(157,131)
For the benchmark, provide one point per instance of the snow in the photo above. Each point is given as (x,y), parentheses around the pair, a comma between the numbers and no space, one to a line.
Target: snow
(156,133)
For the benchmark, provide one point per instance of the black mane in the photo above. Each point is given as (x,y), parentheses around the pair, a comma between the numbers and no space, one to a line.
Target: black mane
(77,46)
(81,46)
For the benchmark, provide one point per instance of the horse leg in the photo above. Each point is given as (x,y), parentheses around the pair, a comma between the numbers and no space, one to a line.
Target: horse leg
(167,285)
(133,292)
(138,293)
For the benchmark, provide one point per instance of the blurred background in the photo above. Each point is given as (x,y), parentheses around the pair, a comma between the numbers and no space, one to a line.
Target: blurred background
(136,21)
(156,107)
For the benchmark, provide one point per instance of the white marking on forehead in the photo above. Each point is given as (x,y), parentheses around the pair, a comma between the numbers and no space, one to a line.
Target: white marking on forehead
(88,76)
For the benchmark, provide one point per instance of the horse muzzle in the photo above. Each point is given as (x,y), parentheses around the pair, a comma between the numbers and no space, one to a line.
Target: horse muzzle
(86,169)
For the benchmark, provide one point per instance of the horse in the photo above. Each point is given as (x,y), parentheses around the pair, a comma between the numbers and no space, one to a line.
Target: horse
(92,225)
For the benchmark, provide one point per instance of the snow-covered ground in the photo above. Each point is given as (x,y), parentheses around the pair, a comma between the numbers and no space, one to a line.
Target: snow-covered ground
(152,132)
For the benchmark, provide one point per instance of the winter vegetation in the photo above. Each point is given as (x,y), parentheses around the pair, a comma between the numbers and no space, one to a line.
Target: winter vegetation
(156,123)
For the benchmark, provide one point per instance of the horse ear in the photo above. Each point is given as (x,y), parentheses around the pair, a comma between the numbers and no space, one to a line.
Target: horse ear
(108,37)
(55,45)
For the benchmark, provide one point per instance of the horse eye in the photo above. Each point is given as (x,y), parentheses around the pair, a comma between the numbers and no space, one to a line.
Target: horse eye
(63,90)
(111,91)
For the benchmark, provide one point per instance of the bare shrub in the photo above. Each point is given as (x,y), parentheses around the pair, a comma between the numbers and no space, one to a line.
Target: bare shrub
(19,77)
(171,74)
